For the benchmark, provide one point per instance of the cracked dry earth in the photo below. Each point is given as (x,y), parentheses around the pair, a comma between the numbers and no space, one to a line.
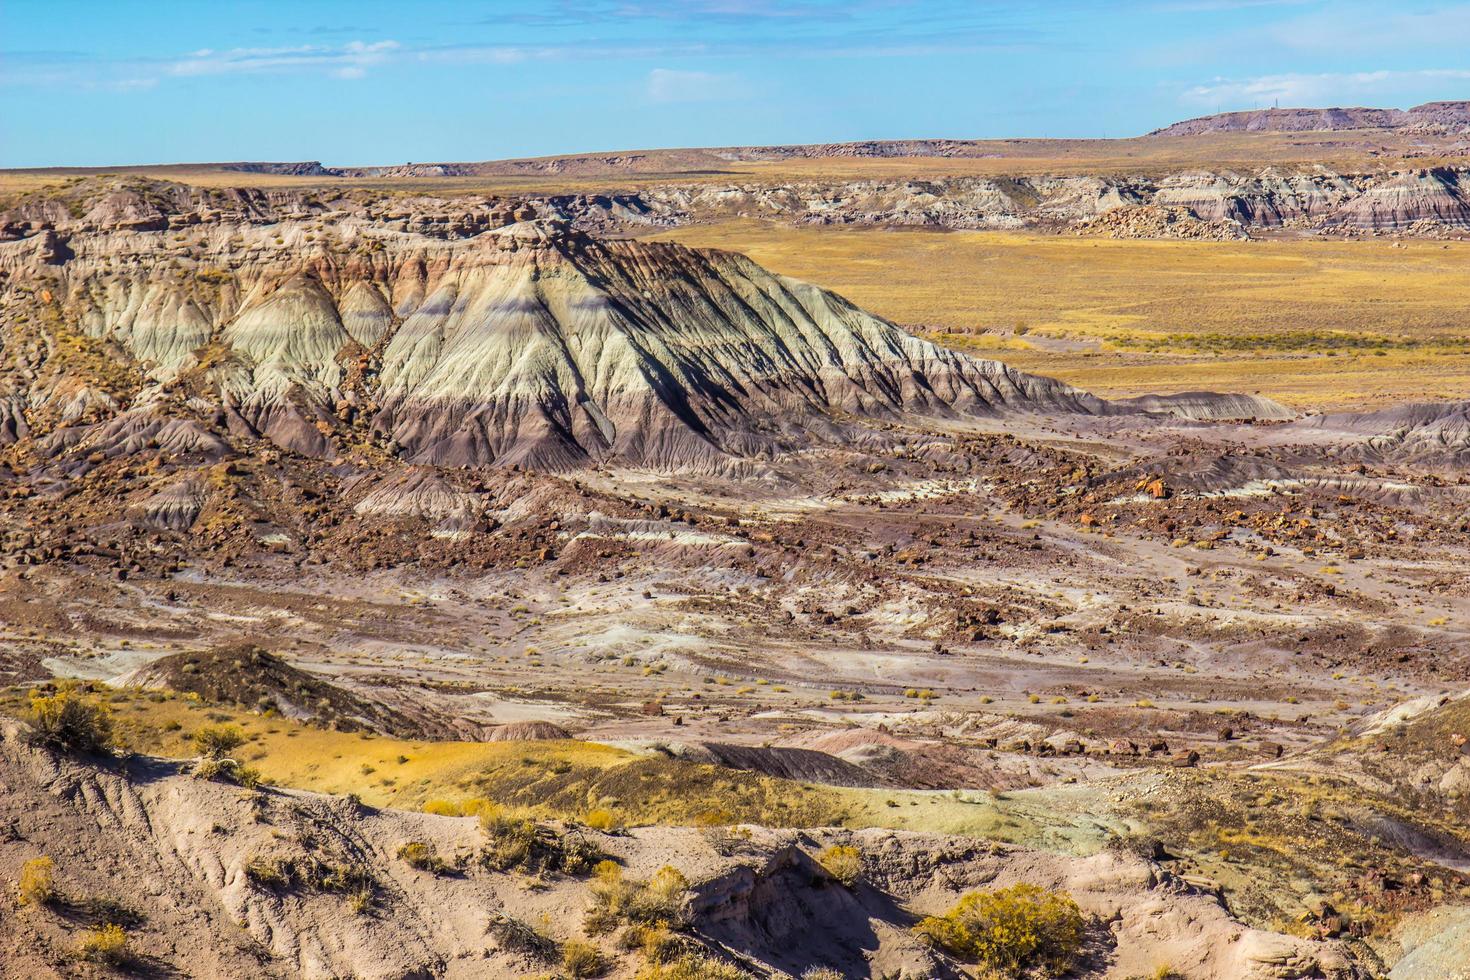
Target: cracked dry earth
(471,512)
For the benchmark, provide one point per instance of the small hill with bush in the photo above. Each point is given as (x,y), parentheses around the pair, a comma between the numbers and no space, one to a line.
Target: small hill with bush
(256,679)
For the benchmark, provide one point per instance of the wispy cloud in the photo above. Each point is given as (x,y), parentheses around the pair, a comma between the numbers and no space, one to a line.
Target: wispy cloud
(1325,88)
(351,60)
(668,85)
(357,59)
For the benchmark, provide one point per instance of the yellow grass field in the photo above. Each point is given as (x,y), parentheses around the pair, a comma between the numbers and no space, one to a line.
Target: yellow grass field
(1313,323)
(555,779)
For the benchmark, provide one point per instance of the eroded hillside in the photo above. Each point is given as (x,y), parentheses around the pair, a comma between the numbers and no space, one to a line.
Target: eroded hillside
(412,503)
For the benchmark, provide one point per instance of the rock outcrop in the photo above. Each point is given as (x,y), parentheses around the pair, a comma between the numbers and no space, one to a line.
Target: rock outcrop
(1453,116)
(1426,432)
(526,344)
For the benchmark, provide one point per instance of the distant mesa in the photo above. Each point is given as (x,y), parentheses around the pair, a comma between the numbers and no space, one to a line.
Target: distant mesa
(308,168)
(1452,117)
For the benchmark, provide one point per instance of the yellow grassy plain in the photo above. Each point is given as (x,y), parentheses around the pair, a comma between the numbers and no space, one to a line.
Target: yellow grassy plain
(564,777)
(1313,323)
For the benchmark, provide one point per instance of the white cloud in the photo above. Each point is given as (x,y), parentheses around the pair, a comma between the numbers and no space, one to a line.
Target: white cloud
(668,85)
(350,60)
(1327,88)
(133,84)
(492,54)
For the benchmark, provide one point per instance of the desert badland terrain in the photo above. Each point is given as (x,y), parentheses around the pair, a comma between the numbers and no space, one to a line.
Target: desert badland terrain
(721,563)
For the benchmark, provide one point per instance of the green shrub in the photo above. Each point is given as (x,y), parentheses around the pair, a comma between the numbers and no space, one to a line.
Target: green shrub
(1010,930)
(71,719)
(107,944)
(843,863)
(218,741)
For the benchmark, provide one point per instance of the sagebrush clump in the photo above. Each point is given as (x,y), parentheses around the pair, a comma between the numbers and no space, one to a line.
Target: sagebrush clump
(604,820)
(423,857)
(106,944)
(71,719)
(218,741)
(519,936)
(215,743)
(1010,930)
(582,959)
(37,885)
(314,874)
(843,863)
(660,901)
(522,844)
(692,966)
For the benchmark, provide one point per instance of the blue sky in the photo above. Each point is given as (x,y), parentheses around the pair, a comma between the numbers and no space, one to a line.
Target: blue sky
(97,82)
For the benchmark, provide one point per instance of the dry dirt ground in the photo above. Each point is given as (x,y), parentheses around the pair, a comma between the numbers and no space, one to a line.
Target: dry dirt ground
(1066,635)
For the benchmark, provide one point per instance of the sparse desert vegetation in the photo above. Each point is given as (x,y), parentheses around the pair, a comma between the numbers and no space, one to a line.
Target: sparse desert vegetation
(1011,930)
(106,944)
(658,902)
(843,862)
(70,717)
(37,884)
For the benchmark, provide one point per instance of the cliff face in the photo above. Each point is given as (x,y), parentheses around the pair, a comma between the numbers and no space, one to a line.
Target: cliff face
(1431,200)
(528,343)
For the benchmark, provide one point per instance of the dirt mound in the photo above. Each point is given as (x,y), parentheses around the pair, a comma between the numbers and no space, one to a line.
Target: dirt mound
(1207,472)
(527,344)
(526,731)
(420,494)
(800,764)
(1429,432)
(1208,405)
(915,763)
(255,678)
